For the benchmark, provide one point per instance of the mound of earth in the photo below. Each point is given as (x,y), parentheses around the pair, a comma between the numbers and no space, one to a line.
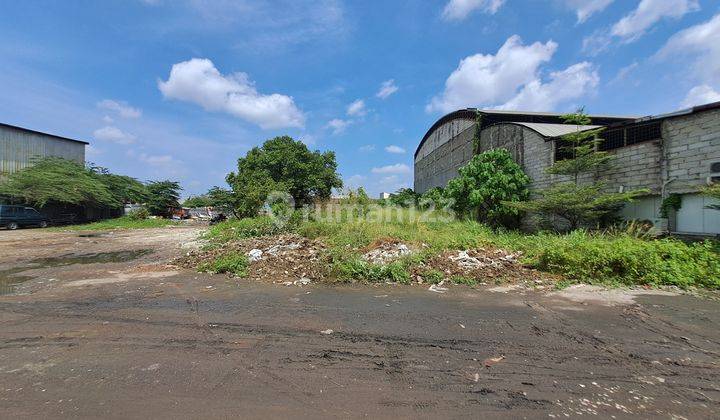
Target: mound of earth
(385,251)
(281,258)
(483,265)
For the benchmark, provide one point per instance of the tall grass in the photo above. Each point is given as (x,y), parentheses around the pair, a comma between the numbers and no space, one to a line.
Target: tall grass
(120,223)
(615,257)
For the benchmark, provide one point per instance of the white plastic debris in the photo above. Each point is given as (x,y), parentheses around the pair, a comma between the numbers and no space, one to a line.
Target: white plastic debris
(327,332)
(304,281)
(255,254)
(437,289)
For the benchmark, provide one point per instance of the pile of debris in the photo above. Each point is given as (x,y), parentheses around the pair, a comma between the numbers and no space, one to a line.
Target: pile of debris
(486,266)
(281,258)
(382,252)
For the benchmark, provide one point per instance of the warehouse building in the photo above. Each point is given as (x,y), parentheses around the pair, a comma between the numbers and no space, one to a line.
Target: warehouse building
(19,146)
(674,153)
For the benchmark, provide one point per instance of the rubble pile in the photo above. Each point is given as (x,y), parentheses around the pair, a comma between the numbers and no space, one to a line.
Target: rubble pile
(481,264)
(383,252)
(280,258)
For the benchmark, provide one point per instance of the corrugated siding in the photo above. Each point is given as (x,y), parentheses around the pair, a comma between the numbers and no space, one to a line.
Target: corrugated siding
(18,147)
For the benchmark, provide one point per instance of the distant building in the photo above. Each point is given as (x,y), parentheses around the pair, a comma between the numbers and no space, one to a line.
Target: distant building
(675,153)
(385,195)
(19,146)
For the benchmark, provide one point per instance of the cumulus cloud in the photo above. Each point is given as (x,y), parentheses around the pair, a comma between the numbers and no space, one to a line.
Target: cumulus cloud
(357,108)
(586,8)
(649,12)
(107,119)
(387,88)
(395,149)
(121,108)
(564,85)
(367,148)
(198,81)
(157,160)
(701,95)
(113,134)
(511,78)
(702,43)
(460,9)
(337,125)
(398,168)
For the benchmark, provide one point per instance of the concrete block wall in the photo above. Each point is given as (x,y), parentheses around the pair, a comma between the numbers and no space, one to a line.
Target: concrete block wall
(692,144)
(442,164)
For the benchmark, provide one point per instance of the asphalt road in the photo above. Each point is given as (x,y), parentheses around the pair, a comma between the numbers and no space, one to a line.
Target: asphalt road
(101,327)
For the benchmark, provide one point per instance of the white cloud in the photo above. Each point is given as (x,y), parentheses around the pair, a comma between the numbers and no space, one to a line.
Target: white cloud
(357,108)
(700,95)
(108,120)
(649,12)
(113,134)
(367,148)
(157,160)
(460,9)
(398,168)
(568,84)
(586,8)
(355,181)
(387,88)
(702,42)
(198,81)
(395,149)
(122,108)
(624,72)
(511,78)
(338,126)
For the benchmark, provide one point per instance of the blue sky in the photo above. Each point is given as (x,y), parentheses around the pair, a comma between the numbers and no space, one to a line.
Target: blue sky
(180,89)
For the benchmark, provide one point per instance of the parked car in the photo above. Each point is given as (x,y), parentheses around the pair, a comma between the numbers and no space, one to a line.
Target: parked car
(13,217)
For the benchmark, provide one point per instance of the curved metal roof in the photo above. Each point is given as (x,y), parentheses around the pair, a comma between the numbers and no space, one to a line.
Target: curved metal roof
(553,130)
(490,117)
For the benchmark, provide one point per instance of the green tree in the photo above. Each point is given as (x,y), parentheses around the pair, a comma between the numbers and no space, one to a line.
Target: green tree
(56,180)
(487,185)
(404,197)
(434,197)
(198,201)
(282,164)
(162,197)
(580,201)
(124,189)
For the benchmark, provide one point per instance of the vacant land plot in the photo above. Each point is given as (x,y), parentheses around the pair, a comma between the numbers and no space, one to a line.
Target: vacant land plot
(101,324)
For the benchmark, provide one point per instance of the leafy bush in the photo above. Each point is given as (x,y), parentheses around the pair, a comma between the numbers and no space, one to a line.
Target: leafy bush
(359,269)
(598,258)
(233,263)
(486,184)
(432,276)
(139,214)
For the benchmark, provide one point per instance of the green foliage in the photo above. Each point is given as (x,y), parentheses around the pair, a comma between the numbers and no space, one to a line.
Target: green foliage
(468,281)
(358,269)
(234,263)
(432,276)
(486,185)
(123,188)
(613,257)
(236,229)
(434,198)
(139,214)
(196,201)
(125,222)
(404,197)
(579,204)
(359,200)
(282,164)
(57,180)
(599,258)
(671,202)
(713,191)
(162,197)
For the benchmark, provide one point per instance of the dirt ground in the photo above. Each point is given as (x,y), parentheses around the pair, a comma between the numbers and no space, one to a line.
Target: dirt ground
(101,326)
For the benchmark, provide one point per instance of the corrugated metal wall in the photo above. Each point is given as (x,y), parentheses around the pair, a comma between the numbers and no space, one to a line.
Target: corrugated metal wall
(18,147)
